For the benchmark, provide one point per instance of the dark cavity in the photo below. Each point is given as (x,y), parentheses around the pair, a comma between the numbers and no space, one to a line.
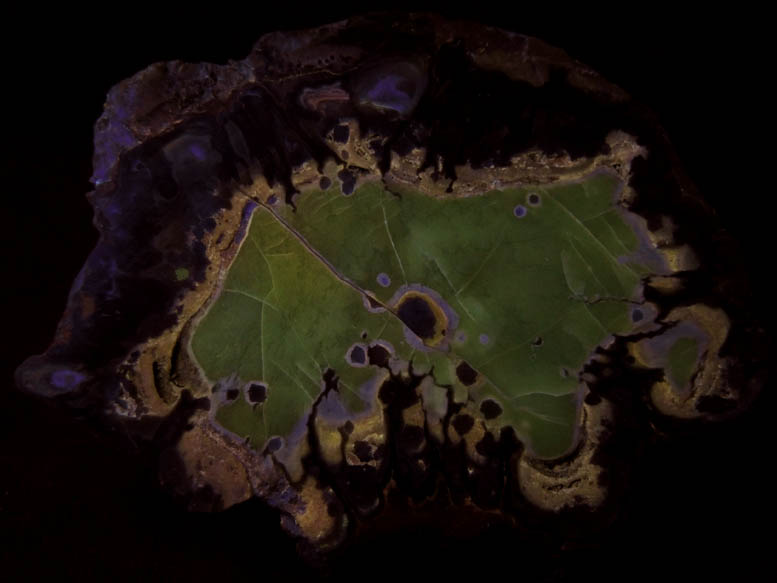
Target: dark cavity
(463,423)
(341,133)
(357,356)
(417,314)
(466,374)
(378,355)
(490,409)
(257,393)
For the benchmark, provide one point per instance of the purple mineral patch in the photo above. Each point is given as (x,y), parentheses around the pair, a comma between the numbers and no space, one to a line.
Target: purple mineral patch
(383,280)
(66,379)
(519,211)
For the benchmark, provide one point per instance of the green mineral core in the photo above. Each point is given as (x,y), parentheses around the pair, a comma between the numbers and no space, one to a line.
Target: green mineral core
(529,280)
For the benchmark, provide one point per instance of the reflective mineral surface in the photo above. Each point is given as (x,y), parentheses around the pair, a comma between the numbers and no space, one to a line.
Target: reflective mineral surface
(412,260)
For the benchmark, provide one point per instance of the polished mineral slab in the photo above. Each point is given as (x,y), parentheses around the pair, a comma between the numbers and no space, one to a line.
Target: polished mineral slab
(415,257)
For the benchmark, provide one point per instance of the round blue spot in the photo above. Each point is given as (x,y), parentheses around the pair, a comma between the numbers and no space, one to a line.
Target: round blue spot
(484,339)
(384,280)
(519,211)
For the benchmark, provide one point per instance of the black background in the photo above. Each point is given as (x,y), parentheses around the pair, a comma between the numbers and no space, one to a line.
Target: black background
(73,505)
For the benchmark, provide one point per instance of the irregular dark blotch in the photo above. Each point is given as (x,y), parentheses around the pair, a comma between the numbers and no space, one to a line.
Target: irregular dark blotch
(637,315)
(519,211)
(378,355)
(348,427)
(364,334)
(417,315)
(363,451)
(487,446)
(348,181)
(564,372)
(490,409)
(341,133)
(411,437)
(344,154)
(232,394)
(330,380)
(257,393)
(592,399)
(324,183)
(537,341)
(357,356)
(274,444)
(715,404)
(272,199)
(463,423)
(534,199)
(466,374)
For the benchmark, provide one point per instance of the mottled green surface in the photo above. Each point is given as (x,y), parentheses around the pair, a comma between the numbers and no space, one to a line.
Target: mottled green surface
(284,316)
(681,361)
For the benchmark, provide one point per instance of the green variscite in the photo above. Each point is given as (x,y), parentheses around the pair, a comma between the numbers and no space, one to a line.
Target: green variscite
(521,284)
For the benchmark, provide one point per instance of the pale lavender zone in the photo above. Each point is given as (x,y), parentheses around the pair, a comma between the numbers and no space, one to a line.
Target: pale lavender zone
(385,93)
(519,211)
(66,379)
(198,151)
(248,209)
(484,339)
(383,280)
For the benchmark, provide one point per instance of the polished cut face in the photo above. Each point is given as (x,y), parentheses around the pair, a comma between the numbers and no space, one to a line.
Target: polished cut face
(435,261)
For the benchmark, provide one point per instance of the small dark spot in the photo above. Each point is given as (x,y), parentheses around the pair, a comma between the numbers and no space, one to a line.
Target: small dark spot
(341,133)
(324,183)
(344,154)
(490,409)
(363,451)
(232,394)
(274,444)
(348,427)
(466,374)
(417,315)
(257,393)
(378,355)
(537,341)
(463,423)
(534,199)
(637,315)
(364,334)
(592,399)
(357,355)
